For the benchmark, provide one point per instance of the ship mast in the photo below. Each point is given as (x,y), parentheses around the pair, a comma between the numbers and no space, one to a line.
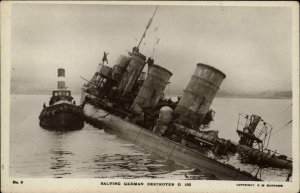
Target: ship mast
(147,27)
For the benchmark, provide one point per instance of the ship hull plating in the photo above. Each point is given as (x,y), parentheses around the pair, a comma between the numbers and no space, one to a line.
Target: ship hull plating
(162,146)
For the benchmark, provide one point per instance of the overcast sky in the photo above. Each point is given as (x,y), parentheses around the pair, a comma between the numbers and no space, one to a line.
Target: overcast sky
(251,45)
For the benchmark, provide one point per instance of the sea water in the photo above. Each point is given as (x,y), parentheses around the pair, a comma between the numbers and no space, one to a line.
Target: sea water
(92,153)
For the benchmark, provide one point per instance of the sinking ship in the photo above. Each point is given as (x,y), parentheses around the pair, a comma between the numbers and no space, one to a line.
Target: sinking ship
(62,112)
(255,136)
(130,103)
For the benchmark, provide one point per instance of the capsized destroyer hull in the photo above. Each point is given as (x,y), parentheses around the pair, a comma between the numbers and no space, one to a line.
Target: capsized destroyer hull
(162,146)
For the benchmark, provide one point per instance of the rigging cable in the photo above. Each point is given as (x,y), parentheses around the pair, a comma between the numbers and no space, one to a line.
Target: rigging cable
(283,126)
(153,50)
(283,112)
(279,115)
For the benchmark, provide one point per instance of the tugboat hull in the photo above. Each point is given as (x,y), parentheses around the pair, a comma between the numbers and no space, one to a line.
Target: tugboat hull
(61,117)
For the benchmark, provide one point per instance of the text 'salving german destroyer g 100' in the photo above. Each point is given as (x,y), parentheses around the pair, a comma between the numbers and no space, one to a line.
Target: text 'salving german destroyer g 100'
(126,101)
(62,113)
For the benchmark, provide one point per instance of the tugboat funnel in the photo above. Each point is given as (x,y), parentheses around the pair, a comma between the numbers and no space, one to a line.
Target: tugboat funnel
(61,84)
(61,72)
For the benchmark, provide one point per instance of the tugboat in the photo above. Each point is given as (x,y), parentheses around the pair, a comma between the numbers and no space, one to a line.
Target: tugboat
(62,112)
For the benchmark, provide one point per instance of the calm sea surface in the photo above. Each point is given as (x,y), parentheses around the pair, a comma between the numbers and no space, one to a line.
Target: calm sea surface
(92,153)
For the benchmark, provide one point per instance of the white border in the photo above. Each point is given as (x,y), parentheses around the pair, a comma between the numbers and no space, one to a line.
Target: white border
(93,185)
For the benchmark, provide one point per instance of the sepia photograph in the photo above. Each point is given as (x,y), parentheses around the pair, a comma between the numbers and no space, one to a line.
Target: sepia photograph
(149,96)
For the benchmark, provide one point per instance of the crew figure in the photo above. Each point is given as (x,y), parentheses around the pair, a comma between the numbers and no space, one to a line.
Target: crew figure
(288,177)
(150,61)
(135,49)
(104,59)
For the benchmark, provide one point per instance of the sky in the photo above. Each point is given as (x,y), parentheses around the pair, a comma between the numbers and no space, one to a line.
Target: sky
(251,45)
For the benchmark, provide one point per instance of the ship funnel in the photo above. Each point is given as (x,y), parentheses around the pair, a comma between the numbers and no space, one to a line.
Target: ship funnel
(61,83)
(61,72)
(133,71)
(198,95)
(120,67)
(153,87)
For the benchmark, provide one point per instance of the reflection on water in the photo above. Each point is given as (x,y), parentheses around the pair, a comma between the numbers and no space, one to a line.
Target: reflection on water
(60,162)
(90,152)
(120,160)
